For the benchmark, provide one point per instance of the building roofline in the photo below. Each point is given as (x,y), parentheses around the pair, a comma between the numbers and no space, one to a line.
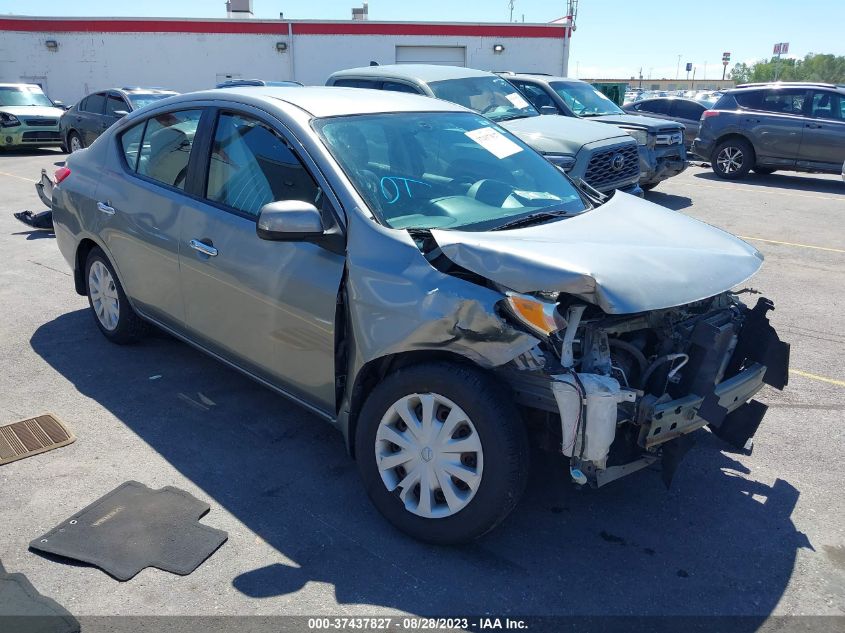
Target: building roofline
(278,27)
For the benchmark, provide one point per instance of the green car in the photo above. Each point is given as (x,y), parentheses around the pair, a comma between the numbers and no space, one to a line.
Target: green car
(28,118)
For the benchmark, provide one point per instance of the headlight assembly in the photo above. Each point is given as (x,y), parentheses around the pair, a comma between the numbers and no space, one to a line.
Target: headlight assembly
(641,136)
(541,316)
(564,161)
(8,120)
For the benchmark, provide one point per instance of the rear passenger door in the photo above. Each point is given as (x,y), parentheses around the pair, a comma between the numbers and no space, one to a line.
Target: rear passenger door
(823,143)
(267,306)
(143,192)
(774,120)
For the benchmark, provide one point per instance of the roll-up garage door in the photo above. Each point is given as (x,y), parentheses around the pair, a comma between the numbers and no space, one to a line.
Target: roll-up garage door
(443,55)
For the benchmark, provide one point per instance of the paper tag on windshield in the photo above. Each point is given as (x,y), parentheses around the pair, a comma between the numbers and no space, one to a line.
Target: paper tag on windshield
(517,100)
(497,144)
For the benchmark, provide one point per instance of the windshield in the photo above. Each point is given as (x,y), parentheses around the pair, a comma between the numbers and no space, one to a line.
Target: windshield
(23,96)
(584,100)
(444,170)
(139,100)
(492,96)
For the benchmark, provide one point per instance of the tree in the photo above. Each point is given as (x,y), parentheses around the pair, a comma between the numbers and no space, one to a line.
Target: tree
(820,68)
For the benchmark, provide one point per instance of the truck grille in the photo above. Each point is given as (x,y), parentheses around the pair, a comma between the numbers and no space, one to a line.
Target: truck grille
(41,136)
(613,166)
(41,122)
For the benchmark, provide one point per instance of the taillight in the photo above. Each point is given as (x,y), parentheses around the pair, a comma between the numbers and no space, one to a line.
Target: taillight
(708,113)
(61,174)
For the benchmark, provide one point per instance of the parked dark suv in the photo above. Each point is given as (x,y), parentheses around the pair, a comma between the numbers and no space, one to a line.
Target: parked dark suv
(766,127)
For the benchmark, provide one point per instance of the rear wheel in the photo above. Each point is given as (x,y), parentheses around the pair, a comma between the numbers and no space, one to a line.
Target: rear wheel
(442,452)
(74,142)
(732,158)
(114,316)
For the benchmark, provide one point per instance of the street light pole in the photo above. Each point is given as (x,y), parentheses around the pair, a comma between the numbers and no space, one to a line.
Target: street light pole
(678,68)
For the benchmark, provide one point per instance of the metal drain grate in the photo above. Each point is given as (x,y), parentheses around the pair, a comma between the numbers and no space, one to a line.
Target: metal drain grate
(31,437)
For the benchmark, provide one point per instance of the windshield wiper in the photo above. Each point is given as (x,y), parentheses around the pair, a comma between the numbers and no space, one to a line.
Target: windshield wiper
(531,219)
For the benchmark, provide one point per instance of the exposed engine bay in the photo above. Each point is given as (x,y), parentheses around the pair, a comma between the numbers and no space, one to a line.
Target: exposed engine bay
(621,392)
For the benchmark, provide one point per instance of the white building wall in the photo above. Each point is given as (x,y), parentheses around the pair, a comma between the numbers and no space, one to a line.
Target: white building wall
(87,62)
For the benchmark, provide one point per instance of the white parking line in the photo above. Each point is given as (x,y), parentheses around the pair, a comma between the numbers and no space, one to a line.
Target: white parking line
(818,248)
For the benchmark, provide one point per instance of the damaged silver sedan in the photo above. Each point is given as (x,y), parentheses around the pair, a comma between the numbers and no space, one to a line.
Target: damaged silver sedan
(422,279)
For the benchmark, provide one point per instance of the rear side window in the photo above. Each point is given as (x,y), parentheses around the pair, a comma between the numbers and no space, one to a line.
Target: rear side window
(94,103)
(166,147)
(784,101)
(397,87)
(130,142)
(355,83)
(251,165)
(658,106)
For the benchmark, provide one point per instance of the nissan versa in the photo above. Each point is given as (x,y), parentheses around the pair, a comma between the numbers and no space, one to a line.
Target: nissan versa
(418,276)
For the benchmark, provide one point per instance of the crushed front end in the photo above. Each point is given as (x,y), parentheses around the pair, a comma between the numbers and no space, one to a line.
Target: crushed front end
(616,393)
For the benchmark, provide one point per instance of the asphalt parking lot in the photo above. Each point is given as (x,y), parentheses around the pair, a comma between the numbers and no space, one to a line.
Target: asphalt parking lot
(736,535)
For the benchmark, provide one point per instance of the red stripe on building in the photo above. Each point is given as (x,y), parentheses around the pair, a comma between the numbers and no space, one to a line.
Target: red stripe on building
(281,28)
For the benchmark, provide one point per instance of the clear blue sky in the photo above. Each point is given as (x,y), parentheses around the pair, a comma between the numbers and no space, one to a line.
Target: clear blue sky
(614,37)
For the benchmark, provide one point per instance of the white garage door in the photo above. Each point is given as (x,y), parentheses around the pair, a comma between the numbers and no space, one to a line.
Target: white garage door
(443,55)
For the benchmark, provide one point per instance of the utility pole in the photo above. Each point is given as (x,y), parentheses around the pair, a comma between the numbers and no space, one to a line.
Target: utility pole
(641,76)
(678,68)
(511,7)
(692,85)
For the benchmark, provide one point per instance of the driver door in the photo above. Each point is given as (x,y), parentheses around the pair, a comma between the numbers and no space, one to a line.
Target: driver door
(266,306)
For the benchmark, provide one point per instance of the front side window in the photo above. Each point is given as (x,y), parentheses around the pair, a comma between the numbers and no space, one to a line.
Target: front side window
(395,86)
(492,96)
(445,170)
(828,105)
(23,96)
(584,100)
(536,95)
(115,104)
(166,147)
(251,165)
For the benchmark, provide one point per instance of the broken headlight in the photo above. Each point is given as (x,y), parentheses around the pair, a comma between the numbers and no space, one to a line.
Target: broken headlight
(564,161)
(539,314)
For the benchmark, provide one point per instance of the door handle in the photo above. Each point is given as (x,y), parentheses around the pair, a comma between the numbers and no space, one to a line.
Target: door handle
(814,126)
(202,247)
(102,206)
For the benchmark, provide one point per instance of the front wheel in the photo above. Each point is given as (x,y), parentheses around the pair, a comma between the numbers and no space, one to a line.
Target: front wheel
(114,316)
(442,451)
(732,159)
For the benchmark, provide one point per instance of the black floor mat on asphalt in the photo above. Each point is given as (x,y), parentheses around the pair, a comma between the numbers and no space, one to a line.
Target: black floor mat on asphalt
(134,527)
(24,610)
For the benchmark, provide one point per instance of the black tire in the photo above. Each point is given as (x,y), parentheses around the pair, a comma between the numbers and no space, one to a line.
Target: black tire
(501,432)
(741,154)
(70,138)
(129,327)
(764,171)
(649,186)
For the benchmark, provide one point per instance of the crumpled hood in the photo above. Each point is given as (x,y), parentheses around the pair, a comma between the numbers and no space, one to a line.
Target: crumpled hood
(627,256)
(560,134)
(33,112)
(635,120)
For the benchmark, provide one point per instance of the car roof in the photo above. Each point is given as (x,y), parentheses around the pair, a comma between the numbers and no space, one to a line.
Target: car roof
(423,73)
(785,84)
(19,85)
(540,77)
(323,101)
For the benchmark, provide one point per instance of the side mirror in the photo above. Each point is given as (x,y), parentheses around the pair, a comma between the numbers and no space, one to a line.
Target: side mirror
(547,109)
(289,221)
(120,113)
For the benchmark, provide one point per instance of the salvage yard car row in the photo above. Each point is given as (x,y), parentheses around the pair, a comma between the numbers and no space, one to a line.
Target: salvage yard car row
(420,277)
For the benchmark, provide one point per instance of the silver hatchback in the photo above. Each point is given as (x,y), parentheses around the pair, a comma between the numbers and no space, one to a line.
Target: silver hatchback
(421,278)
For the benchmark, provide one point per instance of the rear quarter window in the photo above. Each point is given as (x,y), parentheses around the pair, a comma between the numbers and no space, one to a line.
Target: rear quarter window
(355,83)
(130,143)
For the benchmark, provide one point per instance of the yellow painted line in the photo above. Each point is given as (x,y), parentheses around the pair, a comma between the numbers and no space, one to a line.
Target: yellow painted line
(3,173)
(798,372)
(818,248)
(776,192)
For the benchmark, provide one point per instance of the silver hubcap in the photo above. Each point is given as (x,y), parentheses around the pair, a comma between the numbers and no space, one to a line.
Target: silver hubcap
(103,292)
(75,143)
(427,448)
(729,159)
